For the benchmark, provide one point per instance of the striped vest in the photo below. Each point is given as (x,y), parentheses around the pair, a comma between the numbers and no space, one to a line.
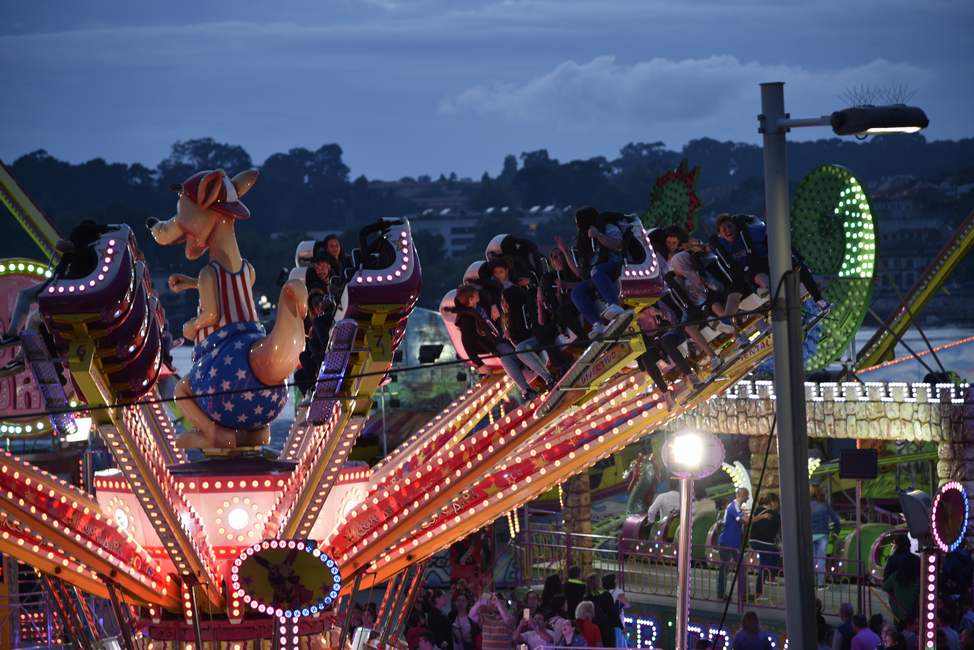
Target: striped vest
(236,298)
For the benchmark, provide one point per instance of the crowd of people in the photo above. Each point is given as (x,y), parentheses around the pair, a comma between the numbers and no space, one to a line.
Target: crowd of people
(526,309)
(575,613)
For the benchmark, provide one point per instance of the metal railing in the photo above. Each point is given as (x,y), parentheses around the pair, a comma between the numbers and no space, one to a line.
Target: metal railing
(649,568)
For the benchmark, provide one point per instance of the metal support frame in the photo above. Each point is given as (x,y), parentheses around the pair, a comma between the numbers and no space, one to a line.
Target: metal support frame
(789,377)
(123,621)
(860,599)
(351,603)
(683,563)
(389,600)
(409,599)
(196,614)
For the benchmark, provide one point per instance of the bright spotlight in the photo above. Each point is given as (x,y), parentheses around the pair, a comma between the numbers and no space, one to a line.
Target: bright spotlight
(692,454)
(686,450)
(238,518)
(121,519)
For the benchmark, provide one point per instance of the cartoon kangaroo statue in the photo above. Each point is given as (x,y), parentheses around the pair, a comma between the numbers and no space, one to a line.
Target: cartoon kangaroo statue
(236,386)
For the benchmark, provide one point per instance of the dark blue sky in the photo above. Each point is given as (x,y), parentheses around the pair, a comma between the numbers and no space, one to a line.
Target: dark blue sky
(430,86)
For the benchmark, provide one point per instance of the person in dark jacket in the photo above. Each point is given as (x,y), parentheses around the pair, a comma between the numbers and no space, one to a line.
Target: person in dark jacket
(574,588)
(556,308)
(518,314)
(480,336)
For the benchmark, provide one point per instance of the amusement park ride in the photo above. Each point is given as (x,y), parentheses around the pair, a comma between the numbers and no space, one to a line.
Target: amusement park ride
(241,550)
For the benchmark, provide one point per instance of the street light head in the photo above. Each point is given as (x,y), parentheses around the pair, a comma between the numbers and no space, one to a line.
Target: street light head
(877,120)
(691,454)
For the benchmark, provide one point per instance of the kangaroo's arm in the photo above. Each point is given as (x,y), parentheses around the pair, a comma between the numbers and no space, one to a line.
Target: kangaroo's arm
(209,308)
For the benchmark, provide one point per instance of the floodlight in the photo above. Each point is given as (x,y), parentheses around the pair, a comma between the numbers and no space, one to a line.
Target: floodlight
(692,454)
(916,506)
(877,120)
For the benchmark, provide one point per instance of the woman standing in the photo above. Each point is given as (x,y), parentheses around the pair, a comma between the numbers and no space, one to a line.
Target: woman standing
(765,529)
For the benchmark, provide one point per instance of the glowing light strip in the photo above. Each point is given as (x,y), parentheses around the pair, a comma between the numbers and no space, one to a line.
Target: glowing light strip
(275,610)
(921,354)
(644,415)
(946,545)
(641,623)
(928,600)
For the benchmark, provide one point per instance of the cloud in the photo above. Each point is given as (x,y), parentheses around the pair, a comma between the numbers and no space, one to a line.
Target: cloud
(604,90)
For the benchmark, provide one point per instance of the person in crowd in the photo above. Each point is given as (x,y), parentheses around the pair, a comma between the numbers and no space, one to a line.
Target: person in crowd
(824,523)
(480,336)
(908,630)
(532,600)
(599,246)
(609,604)
(842,639)
(730,537)
(750,636)
(876,623)
(966,639)
(557,606)
(765,529)
(555,306)
(496,624)
(891,639)
(703,644)
(947,617)
(863,638)
(585,624)
(901,579)
(574,588)
(518,315)
(552,587)
(566,634)
(957,571)
(967,611)
(438,620)
(533,632)
(663,505)
(662,339)
(463,630)
(425,642)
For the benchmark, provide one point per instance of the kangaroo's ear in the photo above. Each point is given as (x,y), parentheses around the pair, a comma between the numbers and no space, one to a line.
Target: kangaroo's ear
(245,180)
(209,189)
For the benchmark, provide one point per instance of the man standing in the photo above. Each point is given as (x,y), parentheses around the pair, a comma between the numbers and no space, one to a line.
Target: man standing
(730,537)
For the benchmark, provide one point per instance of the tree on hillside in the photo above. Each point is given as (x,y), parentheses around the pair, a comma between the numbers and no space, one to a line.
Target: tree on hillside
(190,156)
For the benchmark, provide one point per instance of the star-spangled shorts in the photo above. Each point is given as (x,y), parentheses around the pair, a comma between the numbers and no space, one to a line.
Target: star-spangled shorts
(226,387)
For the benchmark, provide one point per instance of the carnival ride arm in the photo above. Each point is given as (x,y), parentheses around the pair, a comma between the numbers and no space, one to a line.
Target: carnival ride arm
(209,305)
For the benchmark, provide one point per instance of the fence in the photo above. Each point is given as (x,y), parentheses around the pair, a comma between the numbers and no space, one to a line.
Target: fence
(649,568)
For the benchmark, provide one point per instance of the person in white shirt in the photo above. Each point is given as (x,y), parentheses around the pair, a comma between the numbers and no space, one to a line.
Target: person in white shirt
(663,504)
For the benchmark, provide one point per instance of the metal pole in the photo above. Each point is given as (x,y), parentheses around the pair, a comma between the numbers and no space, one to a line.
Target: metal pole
(123,623)
(789,380)
(196,616)
(860,602)
(683,563)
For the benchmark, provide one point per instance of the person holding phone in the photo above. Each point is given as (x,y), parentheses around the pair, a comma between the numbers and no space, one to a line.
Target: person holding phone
(496,623)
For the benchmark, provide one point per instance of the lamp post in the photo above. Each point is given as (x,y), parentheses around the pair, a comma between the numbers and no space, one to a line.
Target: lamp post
(688,455)
(786,321)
